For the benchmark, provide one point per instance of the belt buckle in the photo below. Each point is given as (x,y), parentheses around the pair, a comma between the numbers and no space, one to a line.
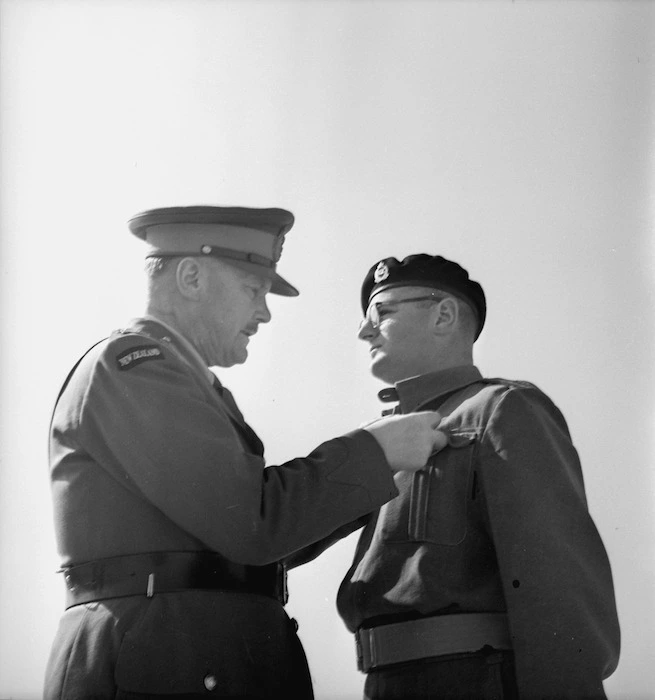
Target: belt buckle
(363,650)
(358,651)
(150,585)
(282,589)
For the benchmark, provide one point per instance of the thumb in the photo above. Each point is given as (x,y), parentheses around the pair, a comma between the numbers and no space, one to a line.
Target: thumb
(440,441)
(433,417)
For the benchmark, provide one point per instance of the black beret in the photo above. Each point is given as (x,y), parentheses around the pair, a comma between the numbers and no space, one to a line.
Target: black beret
(425,271)
(249,238)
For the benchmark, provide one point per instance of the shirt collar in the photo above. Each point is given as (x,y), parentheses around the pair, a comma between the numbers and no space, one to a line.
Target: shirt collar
(194,355)
(414,392)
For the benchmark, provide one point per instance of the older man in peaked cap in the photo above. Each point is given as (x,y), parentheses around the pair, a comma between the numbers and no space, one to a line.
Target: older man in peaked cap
(486,577)
(172,534)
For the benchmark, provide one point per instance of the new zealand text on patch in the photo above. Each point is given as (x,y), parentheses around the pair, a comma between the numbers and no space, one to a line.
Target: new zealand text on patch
(135,356)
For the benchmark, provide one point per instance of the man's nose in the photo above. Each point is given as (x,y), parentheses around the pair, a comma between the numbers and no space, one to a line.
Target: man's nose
(366,330)
(263,314)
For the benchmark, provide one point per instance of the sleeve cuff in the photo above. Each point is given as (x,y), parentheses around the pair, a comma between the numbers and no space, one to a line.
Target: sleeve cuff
(365,465)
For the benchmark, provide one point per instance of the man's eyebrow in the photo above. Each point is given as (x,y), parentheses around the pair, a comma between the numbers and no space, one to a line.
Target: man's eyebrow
(258,282)
(249,278)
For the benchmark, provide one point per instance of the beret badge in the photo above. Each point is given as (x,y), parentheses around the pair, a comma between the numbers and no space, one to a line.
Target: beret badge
(381,272)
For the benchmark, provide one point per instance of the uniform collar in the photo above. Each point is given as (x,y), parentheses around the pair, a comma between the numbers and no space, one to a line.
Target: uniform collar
(192,354)
(415,392)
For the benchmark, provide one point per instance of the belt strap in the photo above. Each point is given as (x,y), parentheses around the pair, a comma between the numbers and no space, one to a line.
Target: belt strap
(430,636)
(167,572)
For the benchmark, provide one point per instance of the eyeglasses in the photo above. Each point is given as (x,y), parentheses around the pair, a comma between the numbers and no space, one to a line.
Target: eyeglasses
(373,312)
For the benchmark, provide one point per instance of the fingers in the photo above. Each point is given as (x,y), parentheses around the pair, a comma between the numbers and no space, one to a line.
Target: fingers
(409,440)
(433,417)
(439,437)
(440,441)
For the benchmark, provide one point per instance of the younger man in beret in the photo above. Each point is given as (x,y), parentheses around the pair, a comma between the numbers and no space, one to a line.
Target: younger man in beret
(486,577)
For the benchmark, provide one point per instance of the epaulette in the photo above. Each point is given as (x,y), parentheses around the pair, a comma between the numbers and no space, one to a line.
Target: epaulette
(511,383)
(518,384)
(147,329)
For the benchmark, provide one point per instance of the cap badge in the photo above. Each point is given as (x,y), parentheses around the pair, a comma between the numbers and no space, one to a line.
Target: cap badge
(381,272)
(277,247)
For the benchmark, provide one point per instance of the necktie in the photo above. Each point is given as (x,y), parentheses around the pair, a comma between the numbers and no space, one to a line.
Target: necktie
(237,419)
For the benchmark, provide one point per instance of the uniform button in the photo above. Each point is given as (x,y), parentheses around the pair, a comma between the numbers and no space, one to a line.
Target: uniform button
(210,681)
(206,249)
(294,622)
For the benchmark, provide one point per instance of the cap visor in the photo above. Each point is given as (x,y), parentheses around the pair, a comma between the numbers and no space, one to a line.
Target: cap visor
(280,285)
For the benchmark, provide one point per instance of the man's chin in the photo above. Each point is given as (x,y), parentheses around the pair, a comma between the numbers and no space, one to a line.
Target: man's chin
(379,370)
(235,359)
(239,359)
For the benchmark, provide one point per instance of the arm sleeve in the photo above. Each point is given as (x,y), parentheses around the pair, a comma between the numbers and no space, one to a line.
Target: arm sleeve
(310,553)
(555,571)
(165,436)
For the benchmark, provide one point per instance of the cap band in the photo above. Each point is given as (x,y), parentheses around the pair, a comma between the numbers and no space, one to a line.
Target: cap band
(194,239)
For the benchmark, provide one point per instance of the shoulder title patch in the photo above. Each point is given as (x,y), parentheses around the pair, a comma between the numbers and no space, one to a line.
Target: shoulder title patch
(135,356)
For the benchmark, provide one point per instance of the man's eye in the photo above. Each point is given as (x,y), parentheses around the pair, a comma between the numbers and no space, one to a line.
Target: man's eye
(382,312)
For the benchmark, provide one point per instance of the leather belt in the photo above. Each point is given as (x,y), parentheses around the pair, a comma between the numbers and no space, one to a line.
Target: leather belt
(167,572)
(428,637)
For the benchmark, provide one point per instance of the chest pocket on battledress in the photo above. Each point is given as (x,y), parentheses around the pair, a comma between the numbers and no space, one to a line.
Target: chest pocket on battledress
(433,503)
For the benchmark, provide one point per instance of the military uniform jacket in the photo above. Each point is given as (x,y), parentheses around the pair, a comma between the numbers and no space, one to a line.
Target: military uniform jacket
(498,523)
(147,456)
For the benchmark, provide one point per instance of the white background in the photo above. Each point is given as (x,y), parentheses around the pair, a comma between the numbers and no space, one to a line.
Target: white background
(514,137)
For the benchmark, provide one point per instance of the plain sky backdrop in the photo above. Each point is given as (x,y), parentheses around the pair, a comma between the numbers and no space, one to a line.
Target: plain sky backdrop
(514,137)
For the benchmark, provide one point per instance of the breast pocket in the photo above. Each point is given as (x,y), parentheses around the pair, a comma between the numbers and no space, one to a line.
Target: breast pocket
(433,503)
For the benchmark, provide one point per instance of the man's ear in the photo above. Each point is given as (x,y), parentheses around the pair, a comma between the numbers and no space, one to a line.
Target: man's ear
(446,315)
(189,276)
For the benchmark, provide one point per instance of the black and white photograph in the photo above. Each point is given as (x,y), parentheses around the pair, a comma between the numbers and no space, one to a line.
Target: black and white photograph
(327,349)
